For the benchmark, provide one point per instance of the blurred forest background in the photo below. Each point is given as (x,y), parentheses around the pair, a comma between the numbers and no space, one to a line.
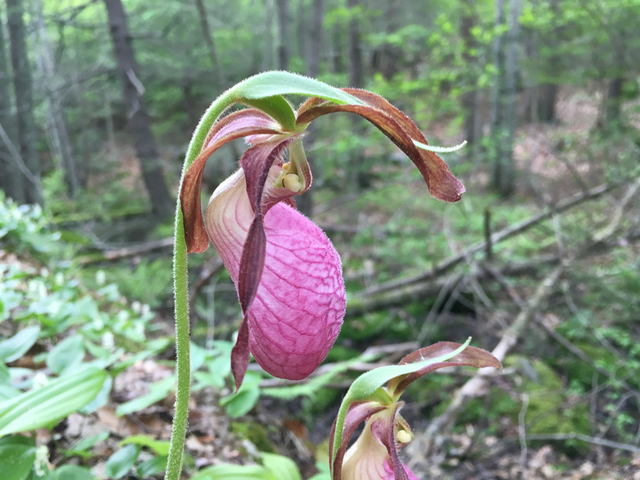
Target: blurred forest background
(98,100)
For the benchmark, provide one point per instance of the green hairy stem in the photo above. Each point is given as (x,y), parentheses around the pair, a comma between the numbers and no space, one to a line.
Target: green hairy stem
(181,296)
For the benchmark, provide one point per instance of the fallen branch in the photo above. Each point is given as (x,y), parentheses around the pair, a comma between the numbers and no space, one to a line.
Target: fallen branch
(477,384)
(371,302)
(127,252)
(448,263)
(585,438)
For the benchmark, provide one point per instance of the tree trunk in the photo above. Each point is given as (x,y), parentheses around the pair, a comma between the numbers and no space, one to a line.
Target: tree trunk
(314,49)
(469,97)
(283,34)
(301,22)
(267,59)
(336,63)
(137,112)
(11,180)
(24,101)
(58,131)
(504,118)
(356,77)
(614,102)
(211,46)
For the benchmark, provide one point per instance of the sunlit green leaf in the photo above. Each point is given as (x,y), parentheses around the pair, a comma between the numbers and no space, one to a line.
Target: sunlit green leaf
(41,407)
(283,468)
(152,466)
(159,446)
(13,348)
(65,354)
(17,455)
(122,461)
(157,392)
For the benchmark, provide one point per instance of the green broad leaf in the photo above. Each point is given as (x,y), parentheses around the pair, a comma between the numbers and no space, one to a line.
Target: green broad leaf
(269,84)
(101,398)
(206,379)
(157,392)
(13,348)
(87,443)
(198,356)
(5,377)
(72,472)
(282,467)
(241,403)
(17,456)
(277,107)
(237,472)
(65,354)
(325,472)
(159,446)
(152,466)
(7,392)
(122,461)
(58,399)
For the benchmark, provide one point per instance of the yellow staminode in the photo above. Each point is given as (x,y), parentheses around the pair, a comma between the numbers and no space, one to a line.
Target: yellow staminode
(403,436)
(292,182)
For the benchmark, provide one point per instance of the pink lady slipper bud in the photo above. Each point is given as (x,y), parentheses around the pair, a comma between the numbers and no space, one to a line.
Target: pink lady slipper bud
(287,273)
(375,454)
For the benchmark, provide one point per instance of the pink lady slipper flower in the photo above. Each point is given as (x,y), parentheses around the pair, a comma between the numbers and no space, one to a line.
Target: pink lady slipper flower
(287,273)
(375,454)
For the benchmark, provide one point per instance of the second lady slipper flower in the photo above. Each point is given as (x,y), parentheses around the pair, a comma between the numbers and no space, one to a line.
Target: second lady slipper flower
(287,273)
(375,454)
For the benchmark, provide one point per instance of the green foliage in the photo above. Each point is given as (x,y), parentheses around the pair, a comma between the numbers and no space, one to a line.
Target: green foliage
(24,228)
(275,467)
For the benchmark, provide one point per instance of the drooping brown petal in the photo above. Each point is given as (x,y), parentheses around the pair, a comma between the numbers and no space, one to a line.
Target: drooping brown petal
(358,412)
(469,357)
(384,430)
(401,130)
(236,125)
(241,354)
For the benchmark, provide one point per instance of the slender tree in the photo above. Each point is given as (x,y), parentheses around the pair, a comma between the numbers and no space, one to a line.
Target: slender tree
(504,96)
(210,42)
(11,179)
(23,87)
(58,131)
(469,97)
(145,141)
(356,76)
(284,19)
(313,51)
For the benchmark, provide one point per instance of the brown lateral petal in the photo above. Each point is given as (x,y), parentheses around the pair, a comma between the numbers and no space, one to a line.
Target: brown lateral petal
(240,354)
(469,357)
(400,130)
(357,413)
(385,431)
(236,125)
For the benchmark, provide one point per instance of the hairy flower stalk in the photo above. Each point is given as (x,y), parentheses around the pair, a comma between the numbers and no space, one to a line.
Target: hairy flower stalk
(287,274)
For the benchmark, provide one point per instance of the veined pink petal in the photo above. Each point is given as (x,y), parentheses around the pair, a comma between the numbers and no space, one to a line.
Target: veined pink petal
(297,312)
